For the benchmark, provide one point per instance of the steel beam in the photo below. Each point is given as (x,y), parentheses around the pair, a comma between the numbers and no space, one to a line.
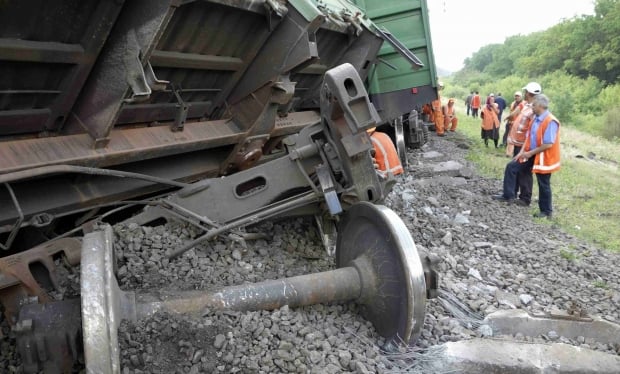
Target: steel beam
(46,52)
(159,112)
(265,86)
(134,144)
(22,120)
(290,46)
(127,51)
(195,61)
(92,42)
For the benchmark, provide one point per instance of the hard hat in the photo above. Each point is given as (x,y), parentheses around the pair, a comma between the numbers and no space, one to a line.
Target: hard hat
(533,87)
(518,93)
(440,83)
(491,94)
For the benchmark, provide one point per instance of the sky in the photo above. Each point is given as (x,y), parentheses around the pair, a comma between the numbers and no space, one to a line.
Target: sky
(460,27)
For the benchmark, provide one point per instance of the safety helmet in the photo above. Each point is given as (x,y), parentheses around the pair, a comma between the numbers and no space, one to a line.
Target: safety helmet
(533,87)
(518,93)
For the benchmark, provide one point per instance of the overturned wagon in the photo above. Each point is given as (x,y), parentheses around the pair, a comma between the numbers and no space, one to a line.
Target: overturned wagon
(111,105)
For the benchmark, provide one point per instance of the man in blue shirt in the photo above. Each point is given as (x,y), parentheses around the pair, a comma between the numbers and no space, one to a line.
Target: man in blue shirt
(540,153)
(501,104)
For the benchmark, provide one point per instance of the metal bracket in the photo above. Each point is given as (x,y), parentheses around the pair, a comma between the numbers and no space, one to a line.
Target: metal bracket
(354,22)
(344,91)
(328,233)
(400,48)
(328,189)
(142,80)
(182,108)
(273,6)
(18,223)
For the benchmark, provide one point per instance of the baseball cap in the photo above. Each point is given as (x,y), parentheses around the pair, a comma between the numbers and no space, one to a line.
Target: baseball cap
(518,93)
(492,94)
(533,87)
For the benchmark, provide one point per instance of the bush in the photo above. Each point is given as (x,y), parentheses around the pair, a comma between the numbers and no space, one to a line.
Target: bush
(611,130)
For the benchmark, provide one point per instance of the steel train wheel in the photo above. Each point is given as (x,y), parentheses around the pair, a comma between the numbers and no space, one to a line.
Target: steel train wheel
(399,134)
(375,240)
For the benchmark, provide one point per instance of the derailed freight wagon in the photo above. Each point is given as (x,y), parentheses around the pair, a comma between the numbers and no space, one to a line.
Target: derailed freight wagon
(397,85)
(108,107)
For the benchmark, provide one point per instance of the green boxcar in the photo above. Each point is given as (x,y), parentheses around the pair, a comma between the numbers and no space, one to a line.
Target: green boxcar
(396,86)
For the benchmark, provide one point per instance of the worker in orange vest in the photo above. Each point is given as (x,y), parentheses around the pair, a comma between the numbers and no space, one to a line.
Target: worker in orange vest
(475,104)
(540,153)
(449,113)
(438,117)
(490,122)
(523,116)
(385,154)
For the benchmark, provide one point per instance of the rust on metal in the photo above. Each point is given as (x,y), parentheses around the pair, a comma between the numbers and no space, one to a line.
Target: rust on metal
(331,286)
(133,144)
(17,281)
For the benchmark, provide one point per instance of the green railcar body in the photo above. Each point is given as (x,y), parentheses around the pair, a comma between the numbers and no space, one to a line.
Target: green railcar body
(395,85)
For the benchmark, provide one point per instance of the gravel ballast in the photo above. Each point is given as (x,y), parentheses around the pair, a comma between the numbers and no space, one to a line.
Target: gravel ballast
(493,256)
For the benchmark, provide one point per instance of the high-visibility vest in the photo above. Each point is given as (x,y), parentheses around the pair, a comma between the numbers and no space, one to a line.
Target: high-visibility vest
(521,125)
(475,101)
(548,161)
(489,119)
(386,155)
(516,104)
(437,113)
(427,109)
(450,111)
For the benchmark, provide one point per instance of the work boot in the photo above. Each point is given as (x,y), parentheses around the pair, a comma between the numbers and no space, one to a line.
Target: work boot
(520,202)
(501,197)
(546,215)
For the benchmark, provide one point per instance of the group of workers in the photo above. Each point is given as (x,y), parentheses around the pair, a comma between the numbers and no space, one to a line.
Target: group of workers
(442,116)
(532,136)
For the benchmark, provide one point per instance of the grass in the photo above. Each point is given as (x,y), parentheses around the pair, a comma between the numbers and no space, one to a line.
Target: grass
(586,190)
(568,255)
(600,284)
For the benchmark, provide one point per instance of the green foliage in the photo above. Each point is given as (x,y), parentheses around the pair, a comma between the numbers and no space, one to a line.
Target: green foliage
(570,95)
(609,97)
(600,284)
(575,62)
(612,124)
(568,255)
(582,46)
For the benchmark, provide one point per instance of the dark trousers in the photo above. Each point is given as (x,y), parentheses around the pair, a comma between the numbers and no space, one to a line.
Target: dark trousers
(468,109)
(506,132)
(544,193)
(474,112)
(514,176)
(524,182)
